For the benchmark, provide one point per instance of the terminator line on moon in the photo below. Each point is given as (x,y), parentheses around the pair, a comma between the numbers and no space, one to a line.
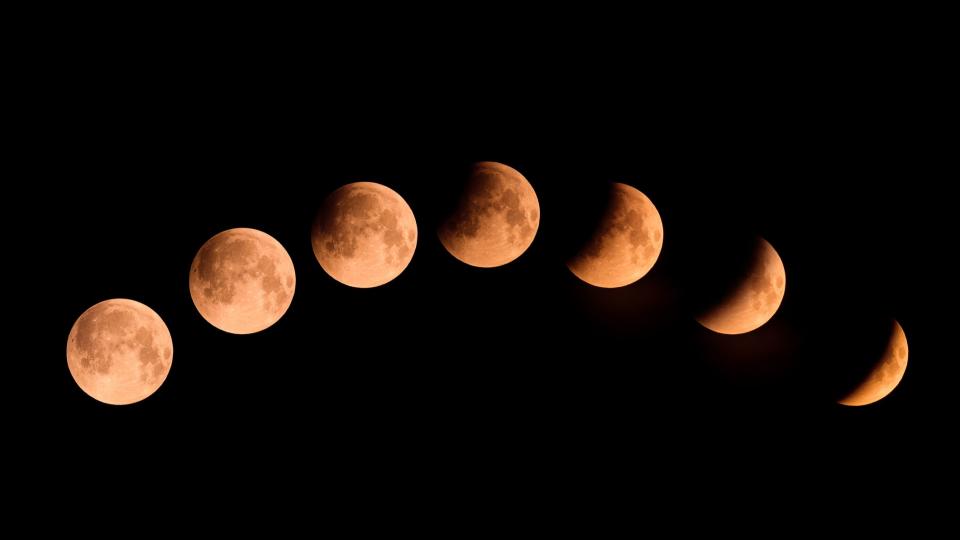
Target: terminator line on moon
(755,300)
(119,351)
(242,281)
(364,235)
(496,219)
(625,244)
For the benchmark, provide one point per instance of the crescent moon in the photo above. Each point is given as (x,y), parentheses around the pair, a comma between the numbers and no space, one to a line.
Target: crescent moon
(886,373)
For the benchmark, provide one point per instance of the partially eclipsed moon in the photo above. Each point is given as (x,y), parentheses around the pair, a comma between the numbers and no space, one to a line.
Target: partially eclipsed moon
(885,375)
(364,235)
(755,300)
(625,244)
(496,219)
(119,351)
(242,281)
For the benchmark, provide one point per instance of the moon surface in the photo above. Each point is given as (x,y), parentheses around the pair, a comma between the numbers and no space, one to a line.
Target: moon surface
(626,243)
(496,219)
(885,375)
(119,351)
(242,281)
(365,235)
(755,299)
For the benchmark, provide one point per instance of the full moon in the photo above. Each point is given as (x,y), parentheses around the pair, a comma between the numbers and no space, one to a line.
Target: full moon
(496,219)
(885,375)
(626,243)
(242,281)
(755,299)
(364,235)
(119,351)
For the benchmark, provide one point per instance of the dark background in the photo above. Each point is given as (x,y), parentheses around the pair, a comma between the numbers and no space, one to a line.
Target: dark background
(825,151)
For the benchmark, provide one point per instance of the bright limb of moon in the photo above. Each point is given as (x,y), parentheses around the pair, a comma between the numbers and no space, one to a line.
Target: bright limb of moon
(119,351)
(885,375)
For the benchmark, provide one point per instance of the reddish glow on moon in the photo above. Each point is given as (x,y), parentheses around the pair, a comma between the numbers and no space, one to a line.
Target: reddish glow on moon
(755,300)
(242,281)
(365,235)
(625,244)
(496,219)
(885,375)
(119,352)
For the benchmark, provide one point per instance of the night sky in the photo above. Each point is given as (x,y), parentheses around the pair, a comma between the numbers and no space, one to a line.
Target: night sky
(451,363)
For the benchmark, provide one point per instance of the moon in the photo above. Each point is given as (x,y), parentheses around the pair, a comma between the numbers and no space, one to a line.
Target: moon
(496,219)
(119,351)
(755,299)
(242,281)
(625,244)
(364,235)
(885,375)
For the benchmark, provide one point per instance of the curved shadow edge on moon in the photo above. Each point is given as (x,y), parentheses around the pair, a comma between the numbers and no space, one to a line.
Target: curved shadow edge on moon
(242,281)
(119,351)
(496,219)
(885,375)
(365,235)
(625,244)
(755,300)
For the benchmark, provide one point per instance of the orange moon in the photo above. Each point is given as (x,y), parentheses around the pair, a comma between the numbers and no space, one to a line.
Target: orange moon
(242,281)
(364,235)
(755,300)
(626,243)
(885,375)
(496,219)
(119,351)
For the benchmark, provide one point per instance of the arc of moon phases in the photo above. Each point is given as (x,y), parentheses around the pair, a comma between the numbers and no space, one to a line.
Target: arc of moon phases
(119,351)
(365,235)
(625,244)
(885,375)
(755,300)
(496,219)
(242,281)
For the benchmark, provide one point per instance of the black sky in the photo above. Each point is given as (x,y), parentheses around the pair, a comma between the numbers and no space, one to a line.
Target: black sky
(144,159)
